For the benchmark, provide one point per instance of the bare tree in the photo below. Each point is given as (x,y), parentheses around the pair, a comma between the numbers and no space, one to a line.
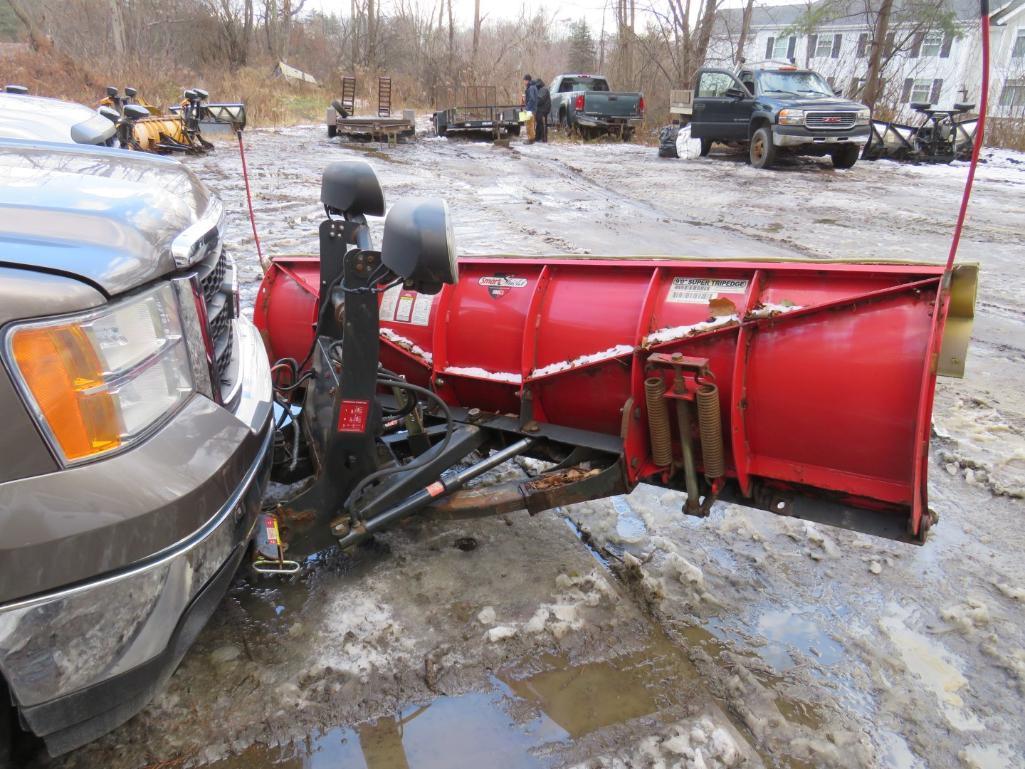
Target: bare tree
(745,30)
(877,55)
(38,39)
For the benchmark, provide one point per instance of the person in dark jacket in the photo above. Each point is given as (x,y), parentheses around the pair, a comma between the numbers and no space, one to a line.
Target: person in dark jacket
(530,105)
(544,106)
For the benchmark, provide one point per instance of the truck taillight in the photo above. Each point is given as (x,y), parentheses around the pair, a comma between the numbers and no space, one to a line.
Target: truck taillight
(578,104)
(640,105)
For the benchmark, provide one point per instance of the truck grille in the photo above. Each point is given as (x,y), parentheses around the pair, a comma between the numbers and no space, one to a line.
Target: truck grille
(216,277)
(837,121)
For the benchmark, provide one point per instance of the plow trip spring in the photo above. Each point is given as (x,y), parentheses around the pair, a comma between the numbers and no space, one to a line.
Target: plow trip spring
(802,388)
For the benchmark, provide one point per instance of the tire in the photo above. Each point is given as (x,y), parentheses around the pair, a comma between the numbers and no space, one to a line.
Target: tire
(332,131)
(706,147)
(762,151)
(845,156)
(628,134)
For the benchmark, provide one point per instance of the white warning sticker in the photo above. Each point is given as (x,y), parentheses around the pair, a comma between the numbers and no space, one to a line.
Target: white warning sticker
(701,290)
(389,299)
(422,309)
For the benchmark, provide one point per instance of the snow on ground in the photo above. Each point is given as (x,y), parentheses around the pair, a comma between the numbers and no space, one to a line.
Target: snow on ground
(738,640)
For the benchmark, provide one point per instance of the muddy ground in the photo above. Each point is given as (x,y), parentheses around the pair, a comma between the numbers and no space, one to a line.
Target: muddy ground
(738,640)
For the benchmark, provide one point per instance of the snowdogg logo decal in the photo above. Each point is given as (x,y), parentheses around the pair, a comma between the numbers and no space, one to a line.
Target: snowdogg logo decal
(499,284)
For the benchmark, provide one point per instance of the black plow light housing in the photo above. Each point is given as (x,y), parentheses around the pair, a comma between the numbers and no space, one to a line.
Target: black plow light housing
(418,245)
(351,188)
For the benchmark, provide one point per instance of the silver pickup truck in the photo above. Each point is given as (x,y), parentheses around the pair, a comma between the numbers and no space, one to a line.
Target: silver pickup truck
(137,429)
(585,104)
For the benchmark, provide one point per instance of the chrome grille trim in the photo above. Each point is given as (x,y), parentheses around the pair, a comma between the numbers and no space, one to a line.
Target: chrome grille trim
(836,121)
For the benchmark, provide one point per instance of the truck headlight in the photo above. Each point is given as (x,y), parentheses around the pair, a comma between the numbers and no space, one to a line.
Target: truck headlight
(791,117)
(862,117)
(97,382)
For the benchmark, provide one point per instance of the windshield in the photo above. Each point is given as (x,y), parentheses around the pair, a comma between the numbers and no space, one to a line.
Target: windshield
(793,82)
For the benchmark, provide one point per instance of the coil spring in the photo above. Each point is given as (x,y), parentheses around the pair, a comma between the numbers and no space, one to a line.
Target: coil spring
(710,426)
(658,422)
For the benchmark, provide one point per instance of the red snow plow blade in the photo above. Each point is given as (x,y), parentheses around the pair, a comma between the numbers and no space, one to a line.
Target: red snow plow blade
(824,371)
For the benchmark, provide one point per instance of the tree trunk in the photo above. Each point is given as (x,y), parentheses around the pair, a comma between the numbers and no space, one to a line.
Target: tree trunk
(745,30)
(117,29)
(38,39)
(451,42)
(476,33)
(874,81)
(371,32)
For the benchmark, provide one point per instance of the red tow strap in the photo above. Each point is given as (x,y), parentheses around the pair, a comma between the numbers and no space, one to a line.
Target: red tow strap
(249,199)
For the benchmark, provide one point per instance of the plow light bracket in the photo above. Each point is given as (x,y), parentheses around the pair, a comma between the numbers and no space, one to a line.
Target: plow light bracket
(418,244)
(351,188)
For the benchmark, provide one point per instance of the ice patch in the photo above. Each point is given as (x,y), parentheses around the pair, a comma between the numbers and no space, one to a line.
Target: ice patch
(407,344)
(583,360)
(968,616)
(359,636)
(487,616)
(672,333)
(480,373)
(500,633)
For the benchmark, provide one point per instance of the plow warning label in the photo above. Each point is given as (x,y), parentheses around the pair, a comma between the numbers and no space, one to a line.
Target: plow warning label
(701,290)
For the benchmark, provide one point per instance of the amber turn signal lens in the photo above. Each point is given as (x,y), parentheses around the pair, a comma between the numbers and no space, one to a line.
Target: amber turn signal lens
(59,366)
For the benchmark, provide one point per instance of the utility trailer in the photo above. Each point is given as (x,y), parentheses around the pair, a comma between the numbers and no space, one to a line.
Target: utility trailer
(383,127)
(481,115)
(403,375)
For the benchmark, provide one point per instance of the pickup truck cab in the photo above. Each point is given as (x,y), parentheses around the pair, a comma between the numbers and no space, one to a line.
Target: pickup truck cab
(136,406)
(776,108)
(586,104)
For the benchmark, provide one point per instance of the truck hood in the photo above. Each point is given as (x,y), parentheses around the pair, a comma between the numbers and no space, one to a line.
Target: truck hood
(105,216)
(51,120)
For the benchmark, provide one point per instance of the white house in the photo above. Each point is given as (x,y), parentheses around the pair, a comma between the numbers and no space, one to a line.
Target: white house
(934,62)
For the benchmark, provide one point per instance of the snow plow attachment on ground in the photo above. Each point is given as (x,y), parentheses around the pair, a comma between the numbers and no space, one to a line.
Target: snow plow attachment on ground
(804,388)
(943,136)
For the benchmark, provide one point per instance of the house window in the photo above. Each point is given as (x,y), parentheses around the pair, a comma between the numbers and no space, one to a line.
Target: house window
(932,43)
(781,48)
(1013,93)
(862,45)
(920,91)
(1018,52)
(823,47)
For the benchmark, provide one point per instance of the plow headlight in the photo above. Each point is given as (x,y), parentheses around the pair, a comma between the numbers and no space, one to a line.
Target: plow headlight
(791,117)
(98,382)
(863,117)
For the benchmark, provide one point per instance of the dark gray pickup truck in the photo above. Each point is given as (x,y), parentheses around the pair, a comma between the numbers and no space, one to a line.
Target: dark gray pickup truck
(584,103)
(777,108)
(136,409)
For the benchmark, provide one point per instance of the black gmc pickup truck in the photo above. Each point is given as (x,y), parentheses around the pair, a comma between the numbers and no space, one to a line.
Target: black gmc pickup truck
(777,108)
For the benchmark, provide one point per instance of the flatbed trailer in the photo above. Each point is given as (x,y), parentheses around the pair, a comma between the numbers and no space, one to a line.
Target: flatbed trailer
(383,127)
(481,115)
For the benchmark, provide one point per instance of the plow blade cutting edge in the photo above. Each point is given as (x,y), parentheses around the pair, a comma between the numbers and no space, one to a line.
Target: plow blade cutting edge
(824,371)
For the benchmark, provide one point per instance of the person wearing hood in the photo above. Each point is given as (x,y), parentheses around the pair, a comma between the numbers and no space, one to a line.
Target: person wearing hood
(530,105)
(542,108)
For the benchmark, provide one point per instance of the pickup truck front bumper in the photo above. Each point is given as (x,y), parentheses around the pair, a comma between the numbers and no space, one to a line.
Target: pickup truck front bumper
(82,659)
(795,136)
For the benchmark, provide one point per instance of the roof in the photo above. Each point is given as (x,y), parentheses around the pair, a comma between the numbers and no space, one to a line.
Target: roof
(837,13)
(108,216)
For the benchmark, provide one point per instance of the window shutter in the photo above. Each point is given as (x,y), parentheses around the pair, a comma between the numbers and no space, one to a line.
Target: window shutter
(948,41)
(791,47)
(837,42)
(812,42)
(916,45)
(769,44)
(862,45)
(934,95)
(905,96)
(888,50)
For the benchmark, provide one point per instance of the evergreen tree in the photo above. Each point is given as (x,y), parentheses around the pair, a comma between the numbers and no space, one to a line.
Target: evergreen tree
(581,47)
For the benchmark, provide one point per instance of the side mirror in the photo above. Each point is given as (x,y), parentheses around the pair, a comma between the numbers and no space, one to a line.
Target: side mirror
(18,89)
(110,113)
(130,92)
(418,245)
(111,92)
(134,112)
(351,188)
(736,93)
(838,92)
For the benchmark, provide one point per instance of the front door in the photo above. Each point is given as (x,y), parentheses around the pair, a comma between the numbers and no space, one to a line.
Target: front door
(717,115)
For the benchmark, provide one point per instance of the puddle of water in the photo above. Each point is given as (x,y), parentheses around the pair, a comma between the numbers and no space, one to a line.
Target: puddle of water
(543,703)
(785,630)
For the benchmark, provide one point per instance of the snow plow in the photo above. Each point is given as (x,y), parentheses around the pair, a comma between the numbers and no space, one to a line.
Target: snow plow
(800,387)
(942,136)
(141,126)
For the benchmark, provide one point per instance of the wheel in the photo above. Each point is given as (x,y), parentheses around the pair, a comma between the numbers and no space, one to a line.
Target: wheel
(332,131)
(763,152)
(628,134)
(706,147)
(846,155)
